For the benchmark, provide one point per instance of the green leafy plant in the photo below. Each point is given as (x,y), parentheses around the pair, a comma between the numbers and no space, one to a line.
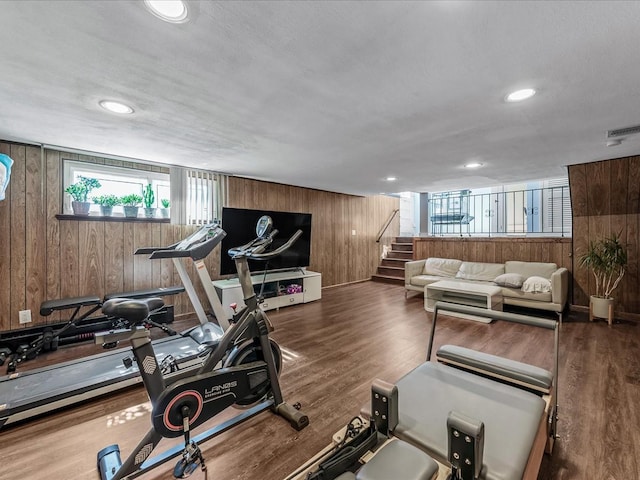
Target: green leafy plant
(81,189)
(148,196)
(131,200)
(108,200)
(607,260)
(165,203)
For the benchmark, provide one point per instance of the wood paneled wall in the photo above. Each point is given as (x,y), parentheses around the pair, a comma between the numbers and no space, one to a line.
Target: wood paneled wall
(605,198)
(496,250)
(42,257)
(340,256)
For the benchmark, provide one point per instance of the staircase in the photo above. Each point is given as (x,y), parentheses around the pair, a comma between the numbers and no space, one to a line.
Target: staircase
(391,269)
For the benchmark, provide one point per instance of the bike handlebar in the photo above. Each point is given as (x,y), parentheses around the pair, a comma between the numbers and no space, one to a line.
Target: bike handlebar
(253,251)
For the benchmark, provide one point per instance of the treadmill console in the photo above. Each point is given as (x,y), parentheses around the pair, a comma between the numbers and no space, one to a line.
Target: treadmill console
(197,245)
(203,234)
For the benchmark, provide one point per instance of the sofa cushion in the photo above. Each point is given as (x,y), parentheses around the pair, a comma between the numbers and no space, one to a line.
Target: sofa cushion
(536,285)
(480,271)
(442,267)
(513,280)
(422,280)
(531,269)
(520,295)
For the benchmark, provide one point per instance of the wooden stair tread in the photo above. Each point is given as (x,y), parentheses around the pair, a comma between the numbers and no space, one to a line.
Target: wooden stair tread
(387,279)
(401,255)
(389,267)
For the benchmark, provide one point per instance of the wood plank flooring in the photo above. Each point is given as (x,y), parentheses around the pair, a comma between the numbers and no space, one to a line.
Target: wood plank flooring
(334,348)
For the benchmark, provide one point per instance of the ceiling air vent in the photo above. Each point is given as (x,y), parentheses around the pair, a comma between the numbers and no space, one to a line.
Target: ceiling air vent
(623,132)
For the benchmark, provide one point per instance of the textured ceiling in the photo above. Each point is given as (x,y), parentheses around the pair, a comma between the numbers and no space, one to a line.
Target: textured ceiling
(329,95)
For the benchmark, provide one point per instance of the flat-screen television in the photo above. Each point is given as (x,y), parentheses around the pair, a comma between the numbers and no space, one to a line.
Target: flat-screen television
(240,226)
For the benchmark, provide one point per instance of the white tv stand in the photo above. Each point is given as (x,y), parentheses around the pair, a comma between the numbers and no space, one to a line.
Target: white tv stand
(275,289)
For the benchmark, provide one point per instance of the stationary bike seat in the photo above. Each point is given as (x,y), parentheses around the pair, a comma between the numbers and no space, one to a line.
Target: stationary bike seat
(133,310)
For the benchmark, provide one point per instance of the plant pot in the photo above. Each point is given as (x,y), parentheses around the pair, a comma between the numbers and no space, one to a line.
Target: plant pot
(80,208)
(164,212)
(106,211)
(149,212)
(600,307)
(130,212)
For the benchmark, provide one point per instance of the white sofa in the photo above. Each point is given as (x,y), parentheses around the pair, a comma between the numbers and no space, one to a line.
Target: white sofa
(544,285)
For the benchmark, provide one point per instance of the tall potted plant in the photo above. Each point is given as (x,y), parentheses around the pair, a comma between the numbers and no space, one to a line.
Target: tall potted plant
(148,198)
(79,192)
(131,203)
(607,260)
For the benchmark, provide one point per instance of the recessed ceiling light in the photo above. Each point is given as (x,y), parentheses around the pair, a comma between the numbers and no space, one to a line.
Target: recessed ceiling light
(391,179)
(173,11)
(473,165)
(520,95)
(116,107)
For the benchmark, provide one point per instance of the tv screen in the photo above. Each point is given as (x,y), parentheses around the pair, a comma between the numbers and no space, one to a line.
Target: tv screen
(240,226)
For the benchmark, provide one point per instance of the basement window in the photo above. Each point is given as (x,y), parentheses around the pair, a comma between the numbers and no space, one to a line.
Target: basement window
(118,180)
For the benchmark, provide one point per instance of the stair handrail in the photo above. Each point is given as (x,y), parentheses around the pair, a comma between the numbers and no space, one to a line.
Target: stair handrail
(387,223)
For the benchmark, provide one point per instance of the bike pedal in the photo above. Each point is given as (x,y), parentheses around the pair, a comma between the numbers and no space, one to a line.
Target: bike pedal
(184,469)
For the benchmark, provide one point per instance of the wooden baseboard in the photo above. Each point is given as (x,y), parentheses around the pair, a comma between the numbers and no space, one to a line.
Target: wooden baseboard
(347,283)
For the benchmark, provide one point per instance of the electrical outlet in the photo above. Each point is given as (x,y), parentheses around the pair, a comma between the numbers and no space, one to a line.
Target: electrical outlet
(353,232)
(24,316)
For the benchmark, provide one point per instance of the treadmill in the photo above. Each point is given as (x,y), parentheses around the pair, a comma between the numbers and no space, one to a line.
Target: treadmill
(26,394)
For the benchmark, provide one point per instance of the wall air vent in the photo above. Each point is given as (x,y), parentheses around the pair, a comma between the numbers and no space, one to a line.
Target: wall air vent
(623,132)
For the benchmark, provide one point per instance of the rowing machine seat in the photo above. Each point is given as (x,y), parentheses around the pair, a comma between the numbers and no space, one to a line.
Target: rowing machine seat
(398,459)
(347,476)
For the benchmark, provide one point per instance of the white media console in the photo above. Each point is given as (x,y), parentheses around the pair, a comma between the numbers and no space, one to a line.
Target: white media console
(281,289)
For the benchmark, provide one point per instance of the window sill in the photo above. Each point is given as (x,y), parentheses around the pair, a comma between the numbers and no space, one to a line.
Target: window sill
(114,218)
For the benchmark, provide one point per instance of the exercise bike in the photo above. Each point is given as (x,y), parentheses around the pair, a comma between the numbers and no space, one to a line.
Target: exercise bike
(242,370)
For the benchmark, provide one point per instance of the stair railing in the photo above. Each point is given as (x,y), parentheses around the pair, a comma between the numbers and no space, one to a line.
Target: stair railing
(386,225)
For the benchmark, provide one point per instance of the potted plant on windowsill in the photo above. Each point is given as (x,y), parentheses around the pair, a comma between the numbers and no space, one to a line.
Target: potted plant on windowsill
(131,203)
(79,192)
(106,202)
(164,211)
(607,260)
(148,198)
